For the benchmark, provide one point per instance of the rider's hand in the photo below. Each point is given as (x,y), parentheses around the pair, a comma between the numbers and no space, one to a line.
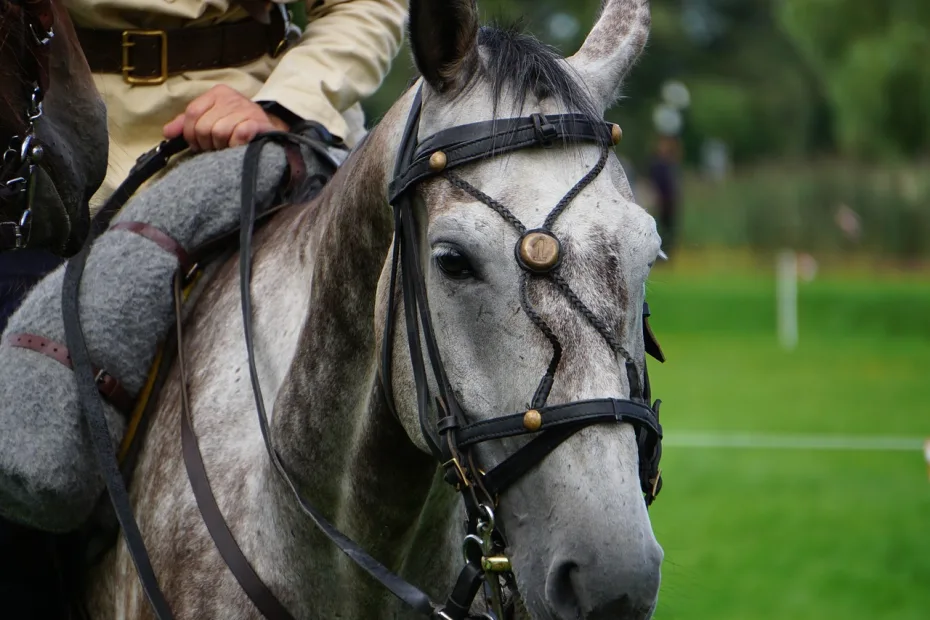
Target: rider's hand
(222,117)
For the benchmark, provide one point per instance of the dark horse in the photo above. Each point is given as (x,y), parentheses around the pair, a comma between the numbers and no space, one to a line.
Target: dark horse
(53,132)
(53,126)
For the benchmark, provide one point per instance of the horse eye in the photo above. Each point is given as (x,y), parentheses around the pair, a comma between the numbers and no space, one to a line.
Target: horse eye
(453,263)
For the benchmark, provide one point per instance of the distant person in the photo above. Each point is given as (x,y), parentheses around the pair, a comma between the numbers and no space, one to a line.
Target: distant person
(664,174)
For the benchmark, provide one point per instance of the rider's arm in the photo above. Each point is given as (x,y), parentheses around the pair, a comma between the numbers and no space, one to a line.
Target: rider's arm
(341,58)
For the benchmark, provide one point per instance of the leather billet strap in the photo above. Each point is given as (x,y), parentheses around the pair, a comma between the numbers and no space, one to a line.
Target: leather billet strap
(471,577)
(108,385)
(404,591)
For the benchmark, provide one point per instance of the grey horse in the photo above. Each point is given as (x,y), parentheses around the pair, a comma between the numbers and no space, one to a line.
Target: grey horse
(579,534)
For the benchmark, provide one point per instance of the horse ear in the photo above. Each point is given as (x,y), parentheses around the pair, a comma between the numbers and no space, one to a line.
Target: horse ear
(442,36)
(612,47)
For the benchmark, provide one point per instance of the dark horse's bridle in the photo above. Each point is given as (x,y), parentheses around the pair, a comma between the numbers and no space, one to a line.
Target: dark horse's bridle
(24,152)
(451,436)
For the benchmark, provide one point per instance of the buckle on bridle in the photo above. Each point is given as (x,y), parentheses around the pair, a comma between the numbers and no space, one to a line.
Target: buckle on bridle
(459,470)
(545,131)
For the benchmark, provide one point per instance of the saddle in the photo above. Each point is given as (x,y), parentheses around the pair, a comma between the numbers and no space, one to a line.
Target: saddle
(50,476)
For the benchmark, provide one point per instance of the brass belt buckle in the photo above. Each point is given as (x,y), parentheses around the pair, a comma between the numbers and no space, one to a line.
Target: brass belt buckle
(127,69)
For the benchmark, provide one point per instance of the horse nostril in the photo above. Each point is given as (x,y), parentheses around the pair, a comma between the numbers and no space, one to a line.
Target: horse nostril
(561,592)
(593,592)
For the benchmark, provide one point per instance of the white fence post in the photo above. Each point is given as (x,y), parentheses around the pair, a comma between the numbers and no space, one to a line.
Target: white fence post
(787,299)
(927,456)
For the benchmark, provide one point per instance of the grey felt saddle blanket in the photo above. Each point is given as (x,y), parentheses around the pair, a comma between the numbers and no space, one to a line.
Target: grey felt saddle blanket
(49,476)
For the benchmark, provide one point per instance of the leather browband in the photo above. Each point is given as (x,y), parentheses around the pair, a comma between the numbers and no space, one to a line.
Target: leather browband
(108,385)
(467,143)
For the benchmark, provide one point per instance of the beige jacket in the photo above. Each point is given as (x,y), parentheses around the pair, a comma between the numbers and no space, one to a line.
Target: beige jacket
(341,58)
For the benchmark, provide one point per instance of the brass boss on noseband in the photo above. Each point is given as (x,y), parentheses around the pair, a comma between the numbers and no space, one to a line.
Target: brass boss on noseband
(539,251)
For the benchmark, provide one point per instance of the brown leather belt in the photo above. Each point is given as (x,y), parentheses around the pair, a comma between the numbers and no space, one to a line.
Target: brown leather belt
(150,56)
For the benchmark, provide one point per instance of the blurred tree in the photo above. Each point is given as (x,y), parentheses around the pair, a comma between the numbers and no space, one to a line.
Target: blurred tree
(871,59)
(773,79)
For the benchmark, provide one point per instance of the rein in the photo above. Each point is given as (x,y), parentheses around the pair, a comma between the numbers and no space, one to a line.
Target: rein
(450,436)
(24,152)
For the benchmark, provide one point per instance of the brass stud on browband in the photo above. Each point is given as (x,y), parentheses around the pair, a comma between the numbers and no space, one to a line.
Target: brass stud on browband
(438,161)
(616,134)
(532,421)
(538,251)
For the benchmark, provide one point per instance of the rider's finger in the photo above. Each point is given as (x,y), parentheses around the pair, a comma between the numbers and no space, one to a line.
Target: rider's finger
(244,132)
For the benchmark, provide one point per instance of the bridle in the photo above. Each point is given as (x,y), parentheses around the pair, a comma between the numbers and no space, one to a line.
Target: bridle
(538,252)
(24,151)
(450,437)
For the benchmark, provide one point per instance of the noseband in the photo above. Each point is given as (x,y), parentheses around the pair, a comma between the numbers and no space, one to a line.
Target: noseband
(24,152)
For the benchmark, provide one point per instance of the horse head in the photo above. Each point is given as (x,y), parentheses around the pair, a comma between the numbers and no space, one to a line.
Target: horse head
(533,262)
(53,123)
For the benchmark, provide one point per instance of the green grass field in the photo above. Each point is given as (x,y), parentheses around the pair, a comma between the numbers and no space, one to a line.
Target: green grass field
(792,533)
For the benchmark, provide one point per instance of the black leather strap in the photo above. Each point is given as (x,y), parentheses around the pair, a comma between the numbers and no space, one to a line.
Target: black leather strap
(649,338)
(406,592)
(584,412)
(262,597)
(89,399)
(148,164)
(464,592)
(468,143)
(517,464)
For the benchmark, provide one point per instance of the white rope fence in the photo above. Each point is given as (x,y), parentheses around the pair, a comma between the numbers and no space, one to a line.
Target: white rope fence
(696,439)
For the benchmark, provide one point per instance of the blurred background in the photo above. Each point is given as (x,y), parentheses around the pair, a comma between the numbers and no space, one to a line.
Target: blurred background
(784,148)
